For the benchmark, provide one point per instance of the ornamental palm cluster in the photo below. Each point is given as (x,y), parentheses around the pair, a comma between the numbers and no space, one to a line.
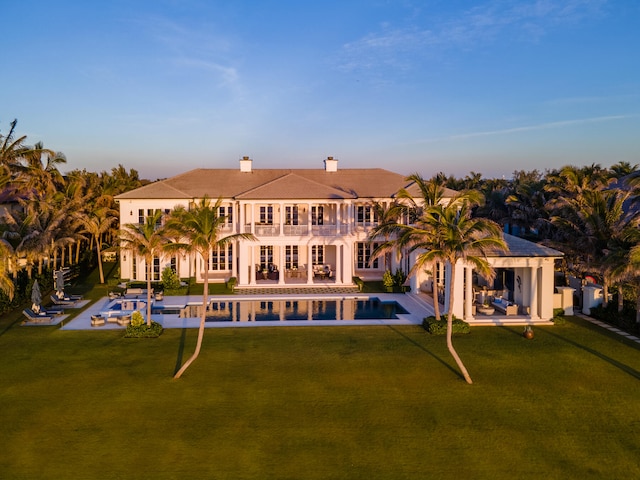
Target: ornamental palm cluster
(48,219)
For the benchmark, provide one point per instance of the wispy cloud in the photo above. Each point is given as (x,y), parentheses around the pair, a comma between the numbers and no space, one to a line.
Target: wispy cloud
(524,21)
(228,75)
(199,47)
(530,128)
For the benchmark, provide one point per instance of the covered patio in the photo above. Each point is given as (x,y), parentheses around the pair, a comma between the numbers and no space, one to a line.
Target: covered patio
(523,291)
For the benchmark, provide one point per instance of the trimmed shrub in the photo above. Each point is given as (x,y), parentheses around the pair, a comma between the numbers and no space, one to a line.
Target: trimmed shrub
(439,327)
(558,316)
(170,279)
(359,282)
(142,331)
(231,283)
(137,319)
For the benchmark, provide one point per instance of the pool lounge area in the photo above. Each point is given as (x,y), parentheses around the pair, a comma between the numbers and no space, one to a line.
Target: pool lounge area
(263,310)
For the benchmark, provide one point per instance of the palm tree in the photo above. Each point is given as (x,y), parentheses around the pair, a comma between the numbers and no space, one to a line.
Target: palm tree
(630,269)
(593,222)
(450,233)
(6,282)
(431,194)
(95,223)
(200,228)
(146,240)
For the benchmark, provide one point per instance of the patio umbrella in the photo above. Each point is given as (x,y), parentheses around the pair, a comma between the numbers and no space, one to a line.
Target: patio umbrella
(59,281)
(36,297)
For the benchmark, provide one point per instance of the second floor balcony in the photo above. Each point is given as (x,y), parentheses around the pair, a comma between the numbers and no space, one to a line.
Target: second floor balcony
(274,230)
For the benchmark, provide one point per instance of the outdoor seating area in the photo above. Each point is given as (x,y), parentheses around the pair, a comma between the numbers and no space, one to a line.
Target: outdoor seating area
(505,306)
(322,271)
(136,292)
(269,272)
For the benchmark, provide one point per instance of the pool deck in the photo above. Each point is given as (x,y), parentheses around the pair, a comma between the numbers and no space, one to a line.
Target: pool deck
(418,310)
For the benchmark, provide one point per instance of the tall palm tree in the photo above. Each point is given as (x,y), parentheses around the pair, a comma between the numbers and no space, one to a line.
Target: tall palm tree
(199,227)
(431,193)
(146,240)
(449,232)
(95,223)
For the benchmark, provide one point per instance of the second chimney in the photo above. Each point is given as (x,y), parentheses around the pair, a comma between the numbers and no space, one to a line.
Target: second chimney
(245,164)
(331,164)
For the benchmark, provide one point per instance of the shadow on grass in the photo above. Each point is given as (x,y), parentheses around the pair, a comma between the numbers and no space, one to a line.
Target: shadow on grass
(183,337)
(422,347)
(625,368)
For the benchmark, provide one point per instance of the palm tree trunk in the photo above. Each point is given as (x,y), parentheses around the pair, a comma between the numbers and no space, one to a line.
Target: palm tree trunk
(434,292)
(100,262)
(620,298)
(78,244)
(205,297)
(149,262)
(452,350)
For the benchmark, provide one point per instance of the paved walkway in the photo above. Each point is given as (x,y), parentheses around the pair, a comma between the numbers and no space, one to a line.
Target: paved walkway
(611,328)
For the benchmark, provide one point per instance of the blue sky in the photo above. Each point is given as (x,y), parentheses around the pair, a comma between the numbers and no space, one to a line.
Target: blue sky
(164,86)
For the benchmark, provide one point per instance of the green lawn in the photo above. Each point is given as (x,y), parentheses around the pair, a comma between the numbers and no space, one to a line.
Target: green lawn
(314,402)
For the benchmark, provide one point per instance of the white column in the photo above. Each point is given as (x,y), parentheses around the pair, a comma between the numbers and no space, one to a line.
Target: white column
(281,219)
(281,267)
(533,294)
(252,265)
(251,220)
(338,273)
(468,293)
(234,266)
(309,265)
(545,290)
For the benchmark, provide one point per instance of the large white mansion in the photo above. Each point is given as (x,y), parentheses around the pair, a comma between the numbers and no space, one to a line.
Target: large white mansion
(311,228)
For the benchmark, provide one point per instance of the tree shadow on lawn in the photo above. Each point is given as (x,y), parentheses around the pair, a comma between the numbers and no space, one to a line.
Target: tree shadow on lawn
(625,368)
(183,337)
(422,347)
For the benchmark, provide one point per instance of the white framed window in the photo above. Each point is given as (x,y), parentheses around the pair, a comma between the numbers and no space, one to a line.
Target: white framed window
(317,215)
(317,254)
(266,256)
(291,256)
(266,214)
(227,213)
(220,258)
(291,216)
(363,255)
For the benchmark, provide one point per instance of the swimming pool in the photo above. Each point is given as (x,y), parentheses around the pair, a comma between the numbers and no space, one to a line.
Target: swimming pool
(309,310)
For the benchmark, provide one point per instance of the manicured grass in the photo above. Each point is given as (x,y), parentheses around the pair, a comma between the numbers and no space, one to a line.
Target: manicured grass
(319,403)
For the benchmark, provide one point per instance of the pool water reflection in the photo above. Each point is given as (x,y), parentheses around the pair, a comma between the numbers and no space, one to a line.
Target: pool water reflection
(283,310)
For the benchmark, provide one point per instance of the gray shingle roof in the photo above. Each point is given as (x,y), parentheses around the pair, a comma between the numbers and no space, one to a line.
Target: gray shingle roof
(519,247)
(274,184)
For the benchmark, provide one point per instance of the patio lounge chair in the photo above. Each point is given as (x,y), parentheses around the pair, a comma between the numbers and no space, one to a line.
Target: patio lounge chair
(36,317)
(63,301)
